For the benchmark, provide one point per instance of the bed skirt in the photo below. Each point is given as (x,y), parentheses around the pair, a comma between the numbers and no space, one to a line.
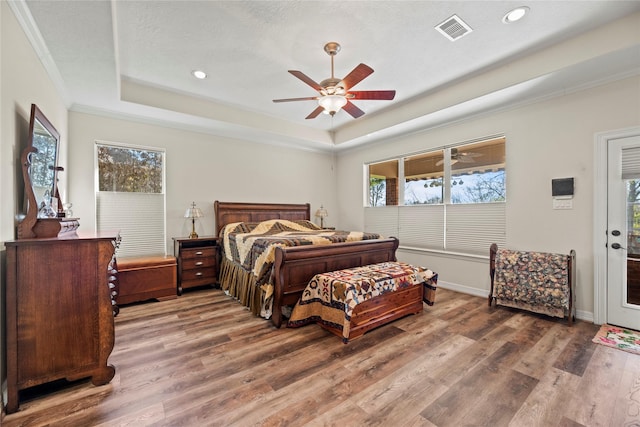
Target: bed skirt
(239,283)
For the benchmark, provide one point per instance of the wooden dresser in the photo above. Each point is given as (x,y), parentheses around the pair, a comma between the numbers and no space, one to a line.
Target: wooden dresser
(197,261)
(59,310)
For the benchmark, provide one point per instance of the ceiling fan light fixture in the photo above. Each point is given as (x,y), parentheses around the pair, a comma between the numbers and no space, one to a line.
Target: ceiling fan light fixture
(332,103)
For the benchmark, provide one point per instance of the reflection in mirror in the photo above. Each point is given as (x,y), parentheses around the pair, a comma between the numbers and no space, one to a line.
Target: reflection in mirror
(42,170)
(43,144)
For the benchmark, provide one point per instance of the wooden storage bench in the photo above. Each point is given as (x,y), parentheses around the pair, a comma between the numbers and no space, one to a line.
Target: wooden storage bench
(352,301)
(143,278)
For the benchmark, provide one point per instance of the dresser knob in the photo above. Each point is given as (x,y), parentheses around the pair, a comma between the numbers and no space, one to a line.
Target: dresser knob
(199,263)
(198,274)
(199,253)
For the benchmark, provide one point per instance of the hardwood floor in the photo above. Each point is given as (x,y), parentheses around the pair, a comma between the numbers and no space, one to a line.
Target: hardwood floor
(202,359)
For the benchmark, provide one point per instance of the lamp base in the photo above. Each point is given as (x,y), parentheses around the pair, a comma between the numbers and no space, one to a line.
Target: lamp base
(193,234)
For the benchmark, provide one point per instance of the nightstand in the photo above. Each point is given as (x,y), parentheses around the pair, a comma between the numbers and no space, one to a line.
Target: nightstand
(197,261)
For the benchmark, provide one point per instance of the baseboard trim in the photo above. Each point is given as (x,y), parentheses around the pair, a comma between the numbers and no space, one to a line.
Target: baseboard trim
(587,316)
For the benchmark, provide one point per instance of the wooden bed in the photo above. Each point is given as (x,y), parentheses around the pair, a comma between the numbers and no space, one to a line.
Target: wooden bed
(295,266)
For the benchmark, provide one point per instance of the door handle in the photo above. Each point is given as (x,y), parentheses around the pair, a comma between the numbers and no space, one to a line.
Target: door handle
(616,246)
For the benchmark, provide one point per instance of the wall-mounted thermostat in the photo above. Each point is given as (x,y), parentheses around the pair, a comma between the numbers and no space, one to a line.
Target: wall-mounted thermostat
(562,192)
(562,187)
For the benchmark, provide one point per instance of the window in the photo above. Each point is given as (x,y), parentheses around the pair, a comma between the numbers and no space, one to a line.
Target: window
(130,197)
(453,198)
(383,183)
(423,178)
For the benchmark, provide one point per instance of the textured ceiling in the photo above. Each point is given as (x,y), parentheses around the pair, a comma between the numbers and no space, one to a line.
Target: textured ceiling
(135,58)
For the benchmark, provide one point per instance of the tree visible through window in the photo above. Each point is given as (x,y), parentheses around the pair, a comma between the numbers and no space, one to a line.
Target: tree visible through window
(129,170)
(130,197)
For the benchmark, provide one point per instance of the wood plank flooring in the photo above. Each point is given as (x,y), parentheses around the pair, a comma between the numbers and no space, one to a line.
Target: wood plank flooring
(204,360)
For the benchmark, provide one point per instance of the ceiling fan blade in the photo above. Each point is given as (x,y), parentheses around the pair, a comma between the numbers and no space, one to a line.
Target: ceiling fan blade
(384,95)
(306,79)
(308,98)
(315,113)
(353,110)
(356,76)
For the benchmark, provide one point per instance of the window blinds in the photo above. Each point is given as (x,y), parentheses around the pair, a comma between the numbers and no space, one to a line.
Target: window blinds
(631,163)
(138,216)
(422,226)
(465,228)
(472,228)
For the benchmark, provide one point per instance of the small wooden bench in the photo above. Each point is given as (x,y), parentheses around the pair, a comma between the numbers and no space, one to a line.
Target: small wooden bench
(147,277)
(352,301)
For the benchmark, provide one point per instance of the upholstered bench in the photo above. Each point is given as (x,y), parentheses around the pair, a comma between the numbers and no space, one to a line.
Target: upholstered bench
(355,300)
(147,277)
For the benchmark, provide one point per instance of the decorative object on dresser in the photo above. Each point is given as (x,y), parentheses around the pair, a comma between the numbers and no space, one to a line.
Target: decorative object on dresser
(59,310)
(193,212)
(39,171)
(146,277)
(197,261)
(322,214)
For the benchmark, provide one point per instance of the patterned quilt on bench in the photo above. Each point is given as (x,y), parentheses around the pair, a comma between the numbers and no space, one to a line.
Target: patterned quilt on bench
(330,298)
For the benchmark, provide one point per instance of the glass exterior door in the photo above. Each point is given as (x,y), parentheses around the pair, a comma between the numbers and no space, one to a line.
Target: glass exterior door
(623,240)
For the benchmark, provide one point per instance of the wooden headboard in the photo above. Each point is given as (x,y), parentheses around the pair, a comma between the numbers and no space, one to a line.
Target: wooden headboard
(228,212)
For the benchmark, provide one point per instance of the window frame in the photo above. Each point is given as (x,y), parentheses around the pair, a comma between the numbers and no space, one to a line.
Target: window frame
(483,215)
(151,238)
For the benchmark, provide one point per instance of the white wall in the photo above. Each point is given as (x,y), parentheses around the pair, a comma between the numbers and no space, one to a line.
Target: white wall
(545,140)
(23,81)
(201,168)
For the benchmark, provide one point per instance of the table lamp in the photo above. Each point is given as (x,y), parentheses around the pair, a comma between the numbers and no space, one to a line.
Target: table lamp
(322,214)
(193,213)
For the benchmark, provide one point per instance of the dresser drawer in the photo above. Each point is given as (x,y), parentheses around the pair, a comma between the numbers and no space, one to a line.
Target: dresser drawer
(192,253)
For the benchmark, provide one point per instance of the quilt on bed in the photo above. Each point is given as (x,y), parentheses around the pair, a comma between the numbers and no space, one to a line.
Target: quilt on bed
(249,250)
(330,298)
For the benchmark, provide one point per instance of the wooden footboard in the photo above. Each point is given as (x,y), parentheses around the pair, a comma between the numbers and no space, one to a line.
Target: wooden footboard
(295,266)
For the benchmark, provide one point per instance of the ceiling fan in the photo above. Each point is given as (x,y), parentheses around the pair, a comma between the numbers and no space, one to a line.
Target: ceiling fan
(335,94)
(460,156)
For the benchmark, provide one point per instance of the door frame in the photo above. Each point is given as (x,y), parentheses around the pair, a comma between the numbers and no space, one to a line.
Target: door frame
(600,163)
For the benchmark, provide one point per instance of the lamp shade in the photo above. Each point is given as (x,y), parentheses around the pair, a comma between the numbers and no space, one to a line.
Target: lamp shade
(322,212)
(332,103)
(193,212)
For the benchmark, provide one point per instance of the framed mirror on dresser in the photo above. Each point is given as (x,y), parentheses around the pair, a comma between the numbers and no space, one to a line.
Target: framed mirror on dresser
(40,173)
(60,283)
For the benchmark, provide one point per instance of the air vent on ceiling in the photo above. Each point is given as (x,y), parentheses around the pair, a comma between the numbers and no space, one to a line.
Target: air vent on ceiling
(454,28)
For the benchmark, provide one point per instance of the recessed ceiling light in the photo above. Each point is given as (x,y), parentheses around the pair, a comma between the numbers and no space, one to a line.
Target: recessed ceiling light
(515,15)
(199,74)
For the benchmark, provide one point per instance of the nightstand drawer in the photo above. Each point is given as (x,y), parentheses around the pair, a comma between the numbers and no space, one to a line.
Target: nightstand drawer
(204,274)
(198,253)
(202,262)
